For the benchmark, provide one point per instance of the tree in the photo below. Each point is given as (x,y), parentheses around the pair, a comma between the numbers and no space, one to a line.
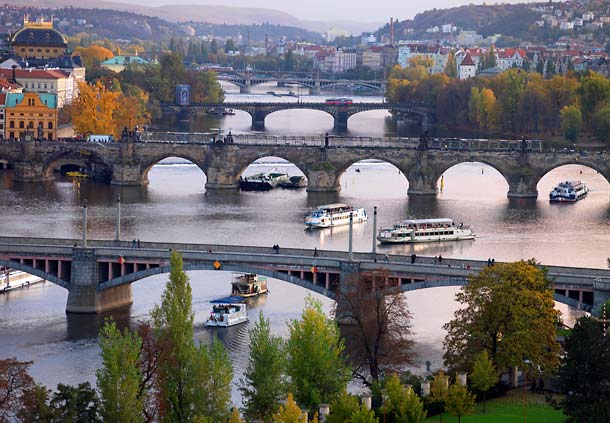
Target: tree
(15,382)
(35,407)
(133,111)
(288,413)
(93,109)
(120,376)
(594,90)
(571,122)
(438,390)
(264,385)
(474,105)
(149,361)
(317,370)
(342,408)
(401,403)
(451,66)
(508,312)
(93,55)
(78,404)
(363,415)
(483,375)
(173,323)
(585,373)
(376,328)
(235,417)
(459,401)
(601,123)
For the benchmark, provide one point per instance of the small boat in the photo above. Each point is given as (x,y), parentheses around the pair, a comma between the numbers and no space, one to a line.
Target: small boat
(15,279)
(228,112)
(263,181)
(296,181)
(248,285)
(425,230)
(568,192)
(227,312)
(76,174)
(334,215)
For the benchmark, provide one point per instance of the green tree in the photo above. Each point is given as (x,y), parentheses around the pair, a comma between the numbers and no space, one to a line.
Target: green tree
(594,90)
(571,122)
(317,370)
(229,45)
(483,375)
(601,123)
(459,401)
(474,105)
(35,406)
(342,408)
(585,373)
(264,385)
(78,404)
(508,311)
(451,66)
(402,404)
(438,390)
(173,323)
(363,415)
(119,378)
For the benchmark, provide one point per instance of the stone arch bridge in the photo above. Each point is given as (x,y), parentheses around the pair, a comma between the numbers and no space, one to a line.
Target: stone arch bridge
(323,160)
(340,112)
(98,273)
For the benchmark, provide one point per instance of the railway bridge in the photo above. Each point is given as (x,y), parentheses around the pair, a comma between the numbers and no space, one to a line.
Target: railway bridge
(98,273)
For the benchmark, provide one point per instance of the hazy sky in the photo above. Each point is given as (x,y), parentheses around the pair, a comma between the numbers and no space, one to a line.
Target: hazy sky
(360,10)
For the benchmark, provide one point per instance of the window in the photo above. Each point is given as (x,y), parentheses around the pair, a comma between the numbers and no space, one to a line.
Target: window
(45,85)
(11,124)
(30,125)
(50,125)
(21,124)
(39,85)
(11,135)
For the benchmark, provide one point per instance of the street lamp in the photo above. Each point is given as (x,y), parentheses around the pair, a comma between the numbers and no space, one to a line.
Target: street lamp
(118,218)
(85,224)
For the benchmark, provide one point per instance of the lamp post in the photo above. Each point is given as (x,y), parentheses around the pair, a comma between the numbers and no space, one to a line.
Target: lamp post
(351,236)
(375,231)
(85,224)
(117,236)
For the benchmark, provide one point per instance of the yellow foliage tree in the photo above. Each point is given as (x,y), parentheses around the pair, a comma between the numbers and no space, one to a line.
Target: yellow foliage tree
(93,110)
(93,55)
(235,417)
(133,111)
(289,413)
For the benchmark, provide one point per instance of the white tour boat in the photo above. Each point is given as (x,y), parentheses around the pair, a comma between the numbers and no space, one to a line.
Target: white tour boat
(227,312)
(14,279)
(248,285)
(334,215)
(263,181)
(425,230)
(568,192)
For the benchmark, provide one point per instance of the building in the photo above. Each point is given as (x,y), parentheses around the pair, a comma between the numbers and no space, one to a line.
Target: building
(31,114)
(372,58)
(467,69)
(339,62)
(118,63)
(60,83)
(510,58)
(468,39)
(38,40)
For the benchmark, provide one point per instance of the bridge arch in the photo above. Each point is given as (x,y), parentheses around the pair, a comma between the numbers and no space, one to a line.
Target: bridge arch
(301,167)
(320,112)
(134,277)
(371,85)
(449,165)
(146,166)
(84,158)
(400,167)
(36,272)
(602,170)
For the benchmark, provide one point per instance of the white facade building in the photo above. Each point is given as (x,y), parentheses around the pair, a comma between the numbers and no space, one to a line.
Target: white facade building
(339,62)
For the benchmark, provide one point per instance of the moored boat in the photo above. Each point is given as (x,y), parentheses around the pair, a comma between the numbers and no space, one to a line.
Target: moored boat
(248,285)
(14,279)
(334,215)
(297,181)
(568,192)
(425,230)
(227,312)
(263,181)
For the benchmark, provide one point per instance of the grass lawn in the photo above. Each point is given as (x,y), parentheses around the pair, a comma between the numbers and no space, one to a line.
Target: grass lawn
(509,409)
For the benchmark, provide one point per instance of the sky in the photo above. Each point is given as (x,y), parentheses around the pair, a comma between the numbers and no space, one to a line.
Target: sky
(333,10)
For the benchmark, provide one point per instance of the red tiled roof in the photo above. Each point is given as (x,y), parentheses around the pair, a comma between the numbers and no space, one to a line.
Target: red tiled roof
(32,74)
(467,61)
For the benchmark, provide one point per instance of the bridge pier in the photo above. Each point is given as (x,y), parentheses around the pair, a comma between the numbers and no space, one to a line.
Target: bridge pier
(220,178)
(127,174)
(341,120)
(520,186)
(83,296)
(322,181)
(422,180)
(245,89)
(315,89)
(28,171)
(258,119)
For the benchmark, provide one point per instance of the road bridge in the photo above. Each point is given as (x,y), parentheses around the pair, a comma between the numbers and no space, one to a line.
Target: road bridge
(323,160)
(98,273)
(246,79)
(340,112)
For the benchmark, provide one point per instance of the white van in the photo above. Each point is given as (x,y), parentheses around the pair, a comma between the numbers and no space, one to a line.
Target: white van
(100,138)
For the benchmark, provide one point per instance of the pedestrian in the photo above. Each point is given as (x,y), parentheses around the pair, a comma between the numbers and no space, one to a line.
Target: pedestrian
(493,261)
(133,243)
(315,252)
(138,242)
(413,257)
(276,248)
(489,262)
(440,258)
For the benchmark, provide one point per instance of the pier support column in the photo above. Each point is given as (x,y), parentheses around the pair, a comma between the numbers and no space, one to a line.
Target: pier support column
(322,181)
(258,119)
(522,188)
(220,178)
(28,171)
(348,269)
(127,174)
(315,89)
(341,121)
(83,295)
(245,89)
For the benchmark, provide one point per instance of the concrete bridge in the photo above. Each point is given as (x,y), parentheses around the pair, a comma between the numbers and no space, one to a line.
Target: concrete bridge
(98,274)
(322,160)
(246,79)
(340,113)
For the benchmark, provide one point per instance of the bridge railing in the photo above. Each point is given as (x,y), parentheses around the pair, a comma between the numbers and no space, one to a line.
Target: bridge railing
(178,137)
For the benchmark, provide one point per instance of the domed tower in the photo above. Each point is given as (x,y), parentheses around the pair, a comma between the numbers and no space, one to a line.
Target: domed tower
(38,40)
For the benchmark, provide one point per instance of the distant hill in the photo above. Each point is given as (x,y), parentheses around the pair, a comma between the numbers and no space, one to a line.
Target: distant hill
(507,19)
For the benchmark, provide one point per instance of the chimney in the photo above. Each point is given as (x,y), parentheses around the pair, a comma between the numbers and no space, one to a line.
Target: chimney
(392,31)
(14,79)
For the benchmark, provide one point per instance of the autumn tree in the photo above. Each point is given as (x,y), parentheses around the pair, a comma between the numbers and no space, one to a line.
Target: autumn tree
(289,412)
(459,401)
(585,373)
(317,370)
(133,111)
(439,386)
(120,376)
(451,69)
(342,408)
(15,382)
(263,385)
(508,311)
(375,324)
(93,110)
(594,90)
(601,123)
(483,375)
(93,55)
(571,122)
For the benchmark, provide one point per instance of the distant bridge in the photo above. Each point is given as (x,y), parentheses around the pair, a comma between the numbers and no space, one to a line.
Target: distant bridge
(98,275)
(246,79)
(340,112)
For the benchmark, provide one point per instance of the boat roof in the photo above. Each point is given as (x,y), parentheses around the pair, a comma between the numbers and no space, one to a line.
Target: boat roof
(333,206)
(420,221)
(228,300)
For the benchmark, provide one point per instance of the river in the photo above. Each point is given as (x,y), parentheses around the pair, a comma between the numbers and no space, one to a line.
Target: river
(176,207)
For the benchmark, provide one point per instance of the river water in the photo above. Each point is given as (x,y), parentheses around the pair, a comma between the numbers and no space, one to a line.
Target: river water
(176,207)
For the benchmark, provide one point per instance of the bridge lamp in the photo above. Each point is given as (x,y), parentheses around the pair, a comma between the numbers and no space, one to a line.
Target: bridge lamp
(85,223)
